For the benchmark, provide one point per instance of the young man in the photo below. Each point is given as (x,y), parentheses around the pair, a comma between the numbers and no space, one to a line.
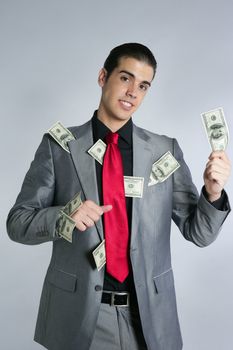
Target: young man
(129,302)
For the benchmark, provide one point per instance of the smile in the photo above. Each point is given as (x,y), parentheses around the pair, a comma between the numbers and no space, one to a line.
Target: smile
(126,104)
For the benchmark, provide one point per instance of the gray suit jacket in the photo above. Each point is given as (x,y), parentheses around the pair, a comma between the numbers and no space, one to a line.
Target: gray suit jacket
(71,293)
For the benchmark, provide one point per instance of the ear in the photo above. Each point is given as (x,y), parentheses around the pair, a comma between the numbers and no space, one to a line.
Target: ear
(102,77)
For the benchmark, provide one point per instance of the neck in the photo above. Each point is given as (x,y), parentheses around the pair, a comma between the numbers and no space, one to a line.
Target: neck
(113,124)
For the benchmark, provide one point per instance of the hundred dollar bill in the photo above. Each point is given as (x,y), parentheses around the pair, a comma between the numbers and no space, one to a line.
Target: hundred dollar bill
(133,186)
(71,207)
(216,129)
(100,256)
(97,151)
(163,168)
(61,134)
(66,227)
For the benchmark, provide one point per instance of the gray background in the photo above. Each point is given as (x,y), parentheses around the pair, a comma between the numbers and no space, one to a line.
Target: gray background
(51,52)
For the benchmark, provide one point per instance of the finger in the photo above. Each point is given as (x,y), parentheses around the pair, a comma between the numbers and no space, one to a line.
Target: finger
(90,209)
(216,154)
(83,221)
(87,213)
(221,155)
(80,226)
(96,208)
(216,177)
(93,214)
(219,162)
(215,167)
(106,208)
(88,222)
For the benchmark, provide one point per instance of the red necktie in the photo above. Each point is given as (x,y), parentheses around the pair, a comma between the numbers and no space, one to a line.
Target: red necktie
(116,220)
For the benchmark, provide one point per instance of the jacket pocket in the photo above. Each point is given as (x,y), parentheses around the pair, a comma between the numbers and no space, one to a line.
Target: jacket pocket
(164,281)
(62,279)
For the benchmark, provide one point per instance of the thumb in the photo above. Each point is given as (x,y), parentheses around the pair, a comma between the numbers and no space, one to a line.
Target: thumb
(106,208)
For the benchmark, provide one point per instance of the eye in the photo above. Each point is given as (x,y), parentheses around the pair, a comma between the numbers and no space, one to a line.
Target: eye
(143,87)
(124,78)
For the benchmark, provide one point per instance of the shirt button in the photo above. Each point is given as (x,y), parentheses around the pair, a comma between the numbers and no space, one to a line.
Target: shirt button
(98,288)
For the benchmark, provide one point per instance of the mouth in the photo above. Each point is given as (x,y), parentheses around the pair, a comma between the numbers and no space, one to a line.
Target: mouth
(126,104)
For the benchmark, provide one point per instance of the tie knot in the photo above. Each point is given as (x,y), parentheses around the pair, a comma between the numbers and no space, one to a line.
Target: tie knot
(112,137)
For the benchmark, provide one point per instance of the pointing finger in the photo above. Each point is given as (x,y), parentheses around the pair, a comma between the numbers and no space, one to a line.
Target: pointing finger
(106,208)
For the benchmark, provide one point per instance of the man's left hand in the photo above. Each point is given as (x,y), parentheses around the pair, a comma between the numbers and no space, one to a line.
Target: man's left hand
(216,174)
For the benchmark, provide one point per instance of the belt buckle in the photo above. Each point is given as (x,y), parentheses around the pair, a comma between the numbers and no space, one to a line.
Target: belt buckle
(119,293)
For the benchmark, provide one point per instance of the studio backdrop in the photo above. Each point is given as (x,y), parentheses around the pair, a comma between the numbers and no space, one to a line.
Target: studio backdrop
(51,53)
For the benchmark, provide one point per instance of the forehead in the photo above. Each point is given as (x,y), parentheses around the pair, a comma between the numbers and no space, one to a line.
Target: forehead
(141,70)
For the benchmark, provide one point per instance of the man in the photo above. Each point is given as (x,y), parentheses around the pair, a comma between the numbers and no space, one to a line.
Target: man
(129,303)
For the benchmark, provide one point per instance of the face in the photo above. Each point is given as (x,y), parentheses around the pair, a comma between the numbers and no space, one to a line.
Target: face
(124,90)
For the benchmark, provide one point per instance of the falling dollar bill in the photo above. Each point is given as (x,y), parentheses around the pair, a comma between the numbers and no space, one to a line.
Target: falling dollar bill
(62,135)
(216,129)
(97,151)
(66,227)
(100,255)
(133,186)
(163,168)
(71,207)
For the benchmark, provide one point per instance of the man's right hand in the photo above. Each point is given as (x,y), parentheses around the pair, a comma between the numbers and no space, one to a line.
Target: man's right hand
(88,213)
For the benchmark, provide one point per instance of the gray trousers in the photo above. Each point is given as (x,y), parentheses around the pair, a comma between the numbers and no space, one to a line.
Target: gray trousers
(118,328)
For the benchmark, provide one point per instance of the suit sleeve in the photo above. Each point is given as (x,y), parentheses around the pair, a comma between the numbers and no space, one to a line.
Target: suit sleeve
(33,218)
(198,220)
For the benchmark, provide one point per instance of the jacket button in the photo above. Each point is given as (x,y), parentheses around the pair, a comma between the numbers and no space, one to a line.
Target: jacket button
(98,288)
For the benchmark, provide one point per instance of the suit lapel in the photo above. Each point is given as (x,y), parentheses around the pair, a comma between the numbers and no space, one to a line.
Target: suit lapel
(142,157)
(85,166)
(145,153)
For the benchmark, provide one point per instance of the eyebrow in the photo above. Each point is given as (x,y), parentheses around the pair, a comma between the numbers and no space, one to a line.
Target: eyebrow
(133,76)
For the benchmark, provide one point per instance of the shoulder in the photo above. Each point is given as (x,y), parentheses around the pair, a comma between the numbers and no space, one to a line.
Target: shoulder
(67,133)
(55,144)
(158,143)
(152,137)
(79,130)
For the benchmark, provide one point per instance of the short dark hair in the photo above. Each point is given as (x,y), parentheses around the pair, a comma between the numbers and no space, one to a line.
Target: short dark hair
(134,50)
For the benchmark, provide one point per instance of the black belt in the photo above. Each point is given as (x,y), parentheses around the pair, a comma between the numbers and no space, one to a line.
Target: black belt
(115,298)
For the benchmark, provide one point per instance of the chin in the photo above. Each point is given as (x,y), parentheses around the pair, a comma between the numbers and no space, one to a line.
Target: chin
(124,115)
(123,118)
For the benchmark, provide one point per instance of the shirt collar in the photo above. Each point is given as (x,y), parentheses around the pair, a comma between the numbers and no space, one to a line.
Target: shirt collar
(100,130)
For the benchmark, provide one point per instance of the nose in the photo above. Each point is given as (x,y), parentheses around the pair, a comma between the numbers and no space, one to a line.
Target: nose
(131,91)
